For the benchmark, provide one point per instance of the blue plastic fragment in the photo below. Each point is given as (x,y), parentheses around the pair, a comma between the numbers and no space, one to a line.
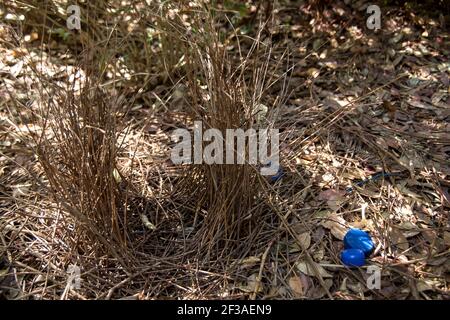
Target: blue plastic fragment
(359,239)
(353,257)
(278,175)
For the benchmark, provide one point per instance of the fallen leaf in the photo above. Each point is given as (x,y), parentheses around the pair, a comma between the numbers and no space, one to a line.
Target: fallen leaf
(304,239)
(21,190)
(437,261)
(437,97)
(426,285)
(409,229)
(334,198)
(447,238)
(336,224)
(318,254)
(398,239)
(308,269)
(363,224)
(15,69)
(296,285)
(252,283)
(330,194)
(327,177)
(319,291)
(358,287)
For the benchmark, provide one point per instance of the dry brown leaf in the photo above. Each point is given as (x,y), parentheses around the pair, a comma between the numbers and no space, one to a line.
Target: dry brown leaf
(336,224)
(409,229)
(357,287)
(363,224)
(319,291)
(308,269)
(426,284)
(304,239)
(398,239)
(318,254)
(429,235)
(447,238)
(334,198)
(437,261)
(252,283)
(297,286)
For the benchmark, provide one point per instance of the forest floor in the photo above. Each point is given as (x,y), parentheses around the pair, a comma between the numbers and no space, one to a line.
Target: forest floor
(365,143)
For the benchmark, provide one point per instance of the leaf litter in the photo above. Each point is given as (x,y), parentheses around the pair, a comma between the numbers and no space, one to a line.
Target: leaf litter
(337,130)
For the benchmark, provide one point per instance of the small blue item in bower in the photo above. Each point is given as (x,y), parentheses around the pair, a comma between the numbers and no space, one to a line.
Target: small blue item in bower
(353,257)
(278,175)
(359,239)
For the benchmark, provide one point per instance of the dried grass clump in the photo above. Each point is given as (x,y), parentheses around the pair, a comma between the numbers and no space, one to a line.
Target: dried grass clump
(222,97)
(80,163)
(77,149)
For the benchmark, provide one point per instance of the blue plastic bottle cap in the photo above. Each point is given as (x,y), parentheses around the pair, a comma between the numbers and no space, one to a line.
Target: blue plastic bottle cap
(353,257)
(358,239)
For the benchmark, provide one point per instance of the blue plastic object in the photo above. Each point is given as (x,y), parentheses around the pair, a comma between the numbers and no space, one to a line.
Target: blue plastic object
(359,239)
(353,257)
(278,175)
